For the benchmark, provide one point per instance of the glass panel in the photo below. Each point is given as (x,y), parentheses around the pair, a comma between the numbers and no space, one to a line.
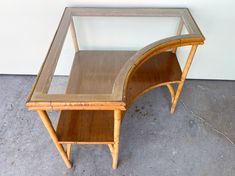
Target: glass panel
(106,43)
(123,33)
(61,75)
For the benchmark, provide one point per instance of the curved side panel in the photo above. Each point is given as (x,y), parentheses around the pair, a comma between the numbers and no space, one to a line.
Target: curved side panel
(149,89)
(145,54)
(159,70)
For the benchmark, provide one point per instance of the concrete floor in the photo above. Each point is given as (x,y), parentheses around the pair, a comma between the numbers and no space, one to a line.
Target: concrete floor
(195,141)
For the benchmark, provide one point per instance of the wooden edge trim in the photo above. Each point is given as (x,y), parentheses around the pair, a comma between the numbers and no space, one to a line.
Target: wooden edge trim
(147,52)
(41,68)
(151,88)
(179,31)
(142,54)
(184,13)
(76,106)
(136,60)
(53,53)
(191,24)
(102,11)
(65,142)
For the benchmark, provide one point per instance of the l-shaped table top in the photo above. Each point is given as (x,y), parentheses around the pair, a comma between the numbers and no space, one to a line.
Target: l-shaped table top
(99,78)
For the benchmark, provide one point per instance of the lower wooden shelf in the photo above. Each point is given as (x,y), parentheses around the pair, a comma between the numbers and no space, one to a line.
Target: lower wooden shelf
(86,127)
(97,127)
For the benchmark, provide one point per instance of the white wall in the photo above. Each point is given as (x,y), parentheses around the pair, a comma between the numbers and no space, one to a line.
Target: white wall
(27,28)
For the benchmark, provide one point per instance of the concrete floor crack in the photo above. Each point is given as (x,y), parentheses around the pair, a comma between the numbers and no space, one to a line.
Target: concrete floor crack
(206,122)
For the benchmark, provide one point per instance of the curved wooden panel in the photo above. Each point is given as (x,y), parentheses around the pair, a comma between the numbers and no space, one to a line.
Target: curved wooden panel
(159,70)
(146,53)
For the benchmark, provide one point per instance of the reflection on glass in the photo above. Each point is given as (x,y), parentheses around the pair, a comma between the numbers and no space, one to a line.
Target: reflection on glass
(61,75)
(95,39)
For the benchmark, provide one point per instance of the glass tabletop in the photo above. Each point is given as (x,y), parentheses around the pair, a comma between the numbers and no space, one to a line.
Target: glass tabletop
(94,50)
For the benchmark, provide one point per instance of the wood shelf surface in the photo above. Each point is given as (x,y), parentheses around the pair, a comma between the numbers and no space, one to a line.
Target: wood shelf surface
(93,75)
(86,127)
(94,72)
(97,127)
(158,70)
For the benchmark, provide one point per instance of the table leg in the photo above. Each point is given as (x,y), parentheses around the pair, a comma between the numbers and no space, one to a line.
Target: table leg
(73,35)
(110,148)
(68,150)
(47,123)
(179,31)
(172,92)
(117,124)
(183,77)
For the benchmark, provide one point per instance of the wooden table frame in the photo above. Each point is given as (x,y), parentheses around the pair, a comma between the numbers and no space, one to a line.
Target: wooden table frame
(122,94)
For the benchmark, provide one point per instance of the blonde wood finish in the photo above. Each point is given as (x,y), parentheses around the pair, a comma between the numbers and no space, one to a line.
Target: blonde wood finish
(40,89)
(161,69)
(184,74)
(46,121)
(73,105)
(103,84)
(91,82)
(68,150)
(48,68)
(119,87)
(117,125)
(172,92)
(86,127)
(111,148)
(143,55)
(94,72)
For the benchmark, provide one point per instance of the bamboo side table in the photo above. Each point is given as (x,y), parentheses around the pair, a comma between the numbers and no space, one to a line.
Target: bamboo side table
(103,84)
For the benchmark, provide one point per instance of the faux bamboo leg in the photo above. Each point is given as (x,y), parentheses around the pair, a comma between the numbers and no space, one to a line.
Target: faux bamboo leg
(47,123)
(179,31)
(110,147)
(172,92)
(73,34)
(68,150)
(184,74)
(117,124)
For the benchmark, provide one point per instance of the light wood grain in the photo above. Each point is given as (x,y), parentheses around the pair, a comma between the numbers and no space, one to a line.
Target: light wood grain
(102,83)
(59,101)
(90,83)
(111,148)
(46,121)
(183,77)
(172,92)
(159,70)
(53,54)
(94,72)
(86,127)
(146,53)
(118,94)
(117,126)
(68,150)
